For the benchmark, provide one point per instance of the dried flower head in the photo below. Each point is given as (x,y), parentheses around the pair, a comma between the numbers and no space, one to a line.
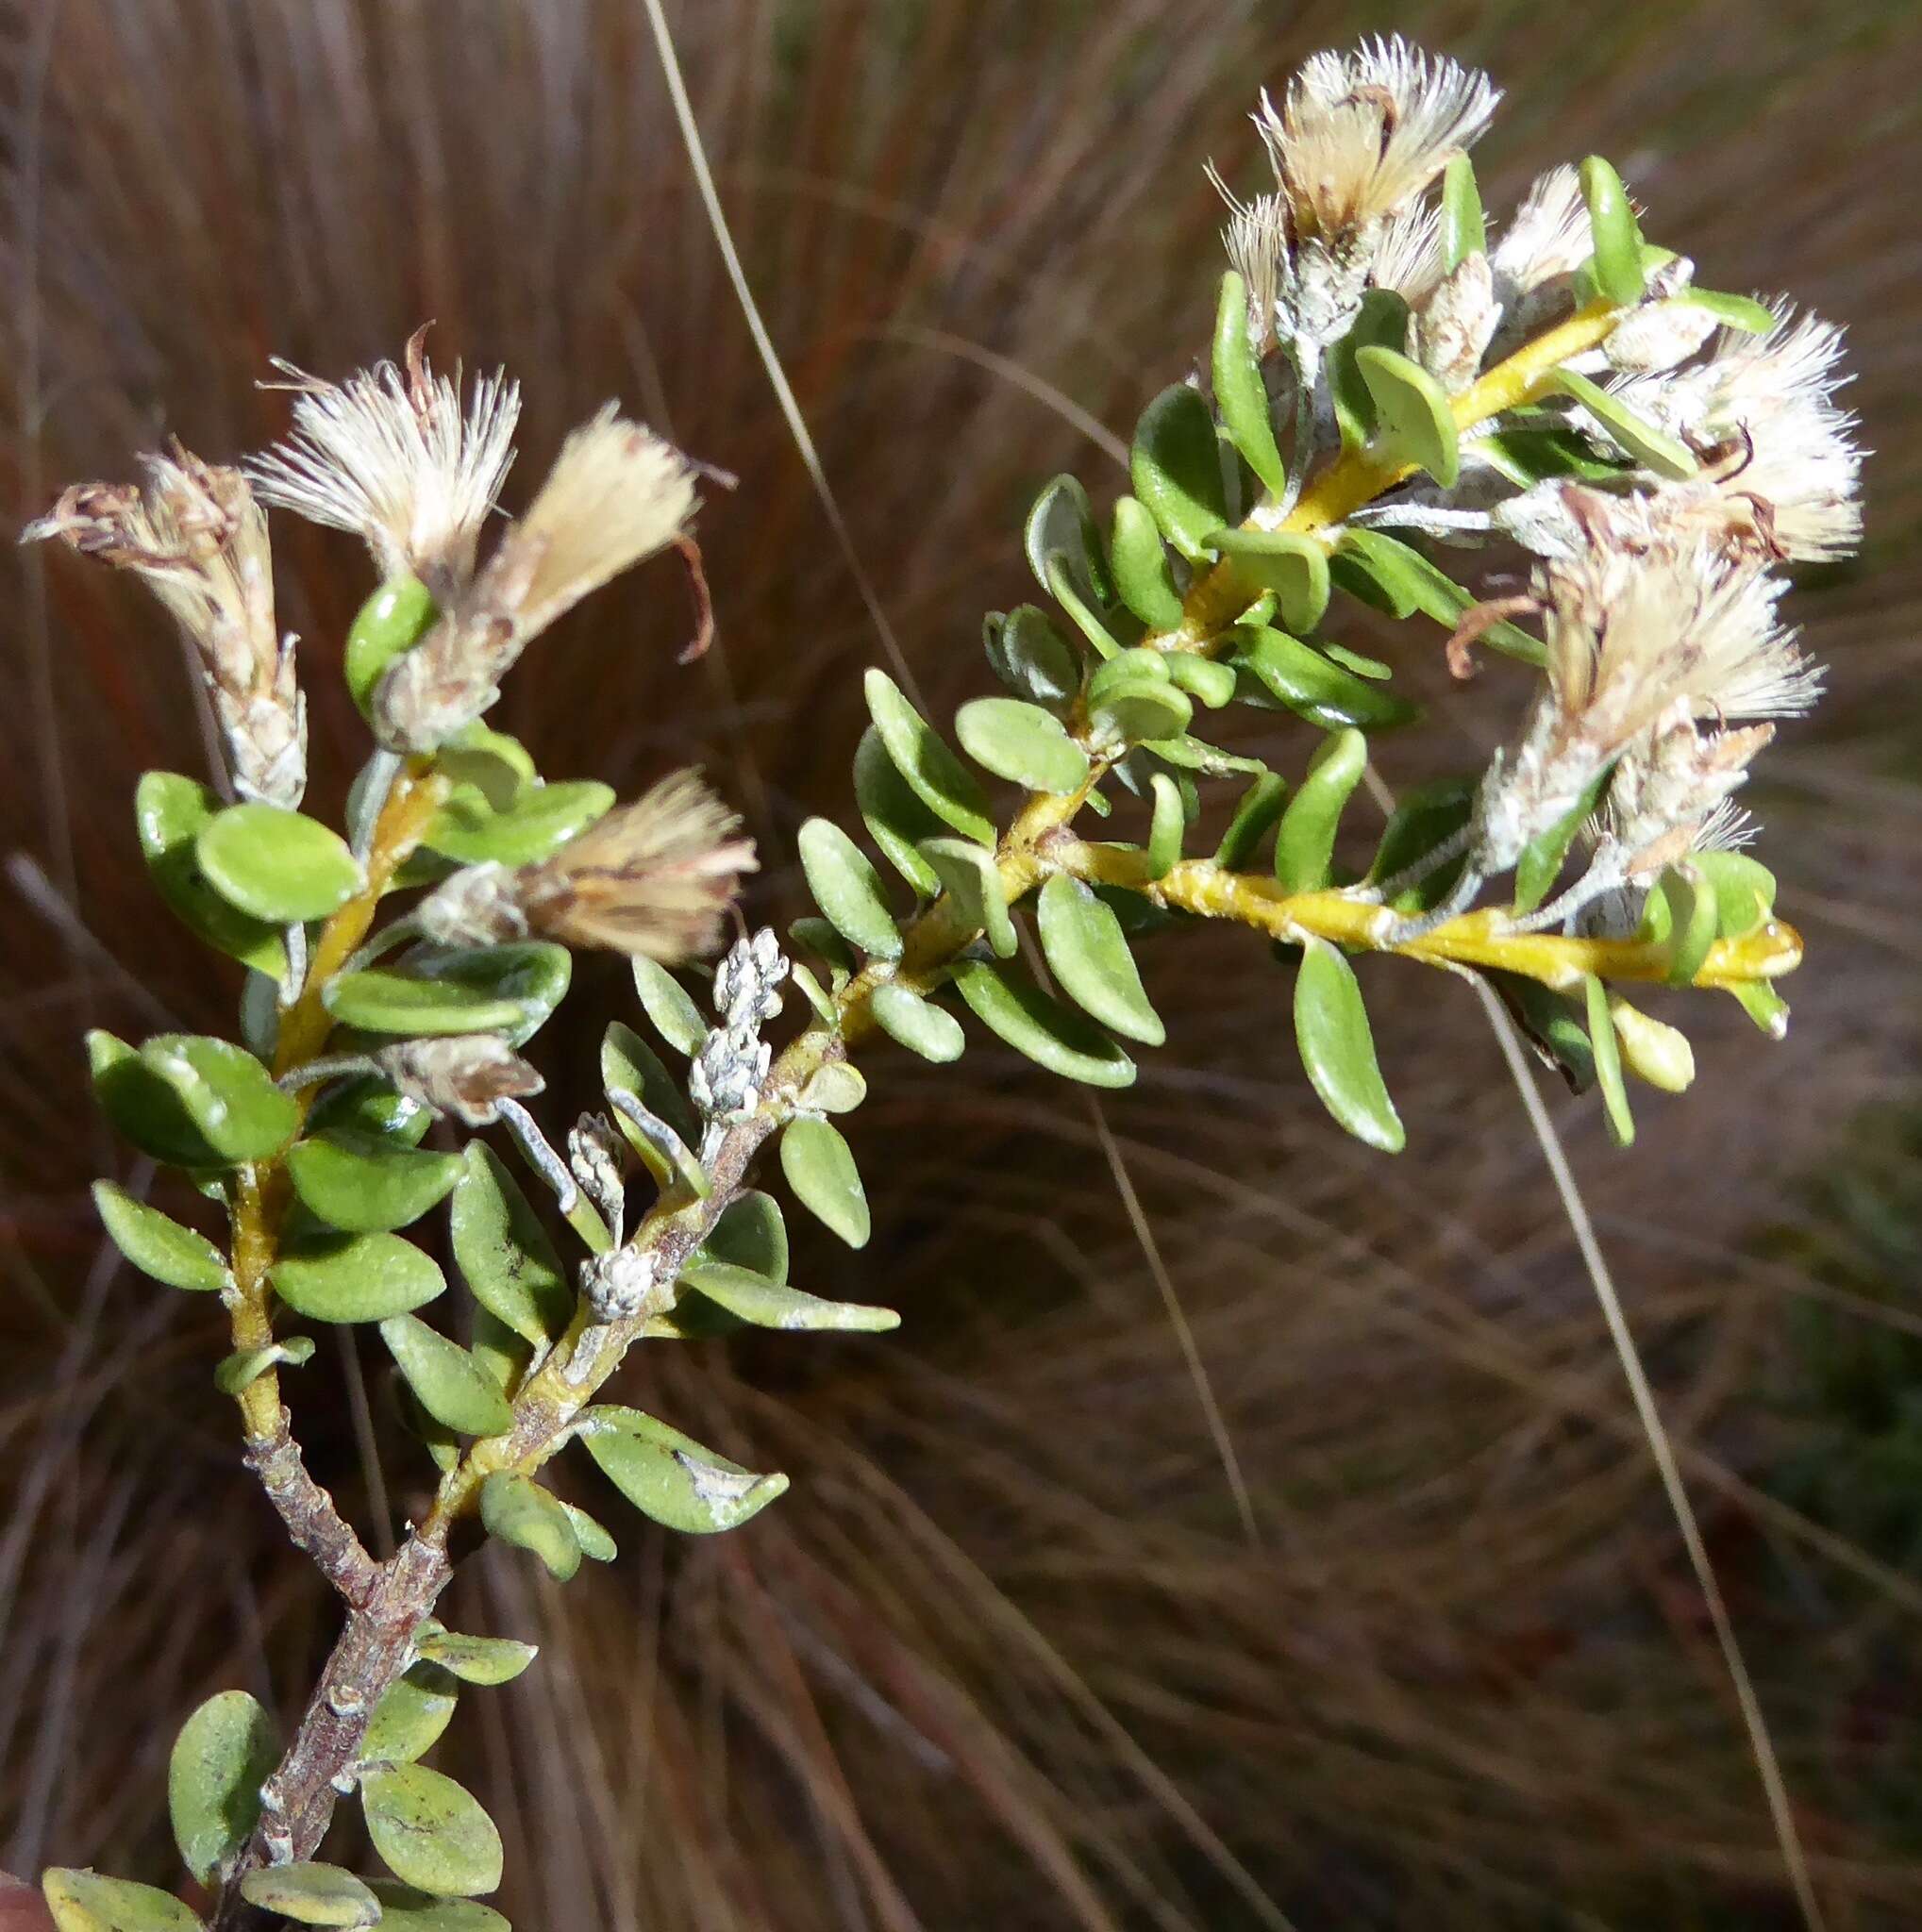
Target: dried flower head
(199,541)
(1357,136)
(1408,257)
(467,1074)
(655,877)
(1644,638)
(1548,240)
(616,494)
(392,455)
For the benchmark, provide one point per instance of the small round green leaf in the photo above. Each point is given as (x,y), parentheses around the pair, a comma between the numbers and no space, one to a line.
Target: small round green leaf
(214,1779)
(275,864)
(1012,1006)
(403,1909)
(1176,469)
(367,1185)
(1607,1063)
(1061,523)
(542,818)
(1021,742)
(142,1106)
(819,1166)
(917,1024)
(1201,677)
(394,620)
(1381,322)
(766,1304)
(668,1006)
(893,815)
(848,889)
(430,1833)
(1618,273)
(408,1722)
(1338,1049)
(1141,575)
(503,1253)
(751,1233)
(89,1902)
(671,1477)
(448,1382)
(1168,823)
(1743,312)
(227,1094)
(1692,921)
(174,1256)
(1086,617)
(1305,840)
(1464,231)
(1240,394)
(246,1366)
(973,880)
(521,1513)
(1030,656)
(1413,422)
(596,1543)
(170,813)
(1296,568)
(1744,890)
(932,772)
(498,767)
(311,1894)
(1653,448)
(1254,818)
(477,1659)
(379,1000)
(1133,697)
(1088,954)
(361,1277)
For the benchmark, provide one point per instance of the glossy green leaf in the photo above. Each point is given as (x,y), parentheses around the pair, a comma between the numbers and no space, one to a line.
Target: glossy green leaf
(277,865)
(248,1365)
(1743,312)
(1381,322)
(361,1277)
(917,1024)
(1617,267)
(430,1833)
(893,814)
(448,1382)
(1132,697)
(1254,818)
(1008,1001)
(1086,617)
(1061,523)
(1240,394)
(542,818)
(1691,896)
(1607,1063)
(532,973)
(1544,856)
(367,1185)
(380,1000)
(1176,469)
(1312,687)
(1530,456)
(227,1094)
(1021,742)
(158,1246)
(89,1902)
(766,1304)
(973,880)
(1142,574)
(1305,840)
(1465,232)
(835,1087)
(403,1909)
(1653,448)
(498,767)
(1425,819)
(1765,1005)
(370,1108)
(1743,888)
(392,621)
(503,1253)
(848,889)
(1338,1049)
(1204,678)
(820,1169)
(520,1511)
(214,1773)
(1413,422)
(170,813)
(932,772)
(142,1107)
(1030,656)
(1169,821)
(412,1713)
(1088,954)
(670,1477)
(1296,568)
(1395,576)
(596,1542)
(1551,1023)
(477,1659)
(311,1894)
(670,1008)
(751,1233)
(1650,1050)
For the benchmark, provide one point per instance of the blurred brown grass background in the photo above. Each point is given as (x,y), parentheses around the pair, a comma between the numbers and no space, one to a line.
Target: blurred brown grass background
(1004,1657)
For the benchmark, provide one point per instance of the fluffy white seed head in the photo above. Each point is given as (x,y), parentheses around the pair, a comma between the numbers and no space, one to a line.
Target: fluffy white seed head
(393,455)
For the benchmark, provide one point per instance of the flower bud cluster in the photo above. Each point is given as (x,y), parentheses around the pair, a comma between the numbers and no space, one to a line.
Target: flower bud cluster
(726,1080)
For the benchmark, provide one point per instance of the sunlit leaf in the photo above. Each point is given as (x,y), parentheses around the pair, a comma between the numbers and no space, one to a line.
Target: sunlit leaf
(1176,469)
(503,1253)
(1240,394)
(430,1832)
(848,889)
(170,813)
(1008,1001)
(1088,954)
(158,1246)
(820,1169)
(447,1381)
(1338,1048)
(275,864)
(671,1477)
(520,1511)
(214,1774)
